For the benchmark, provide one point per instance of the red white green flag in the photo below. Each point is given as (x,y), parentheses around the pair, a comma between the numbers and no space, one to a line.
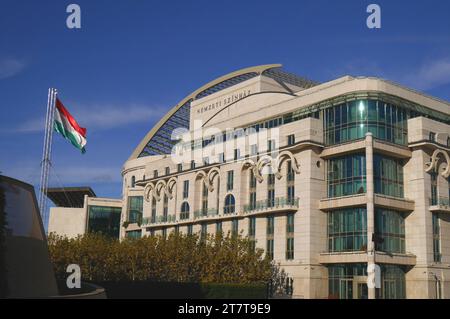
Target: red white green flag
(68,127)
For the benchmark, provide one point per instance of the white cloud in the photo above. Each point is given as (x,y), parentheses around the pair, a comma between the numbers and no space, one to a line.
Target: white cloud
(10,67)
(425,76)
(429,75)
(69,174)
(100,117)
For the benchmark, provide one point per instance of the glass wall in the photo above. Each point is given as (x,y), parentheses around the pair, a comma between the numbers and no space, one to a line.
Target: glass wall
(390,228)
(388,176)
(349,281)
(346,175)
(393,285)
(352,120)
(347,230)
(105,220)
(135,205)
(343,281)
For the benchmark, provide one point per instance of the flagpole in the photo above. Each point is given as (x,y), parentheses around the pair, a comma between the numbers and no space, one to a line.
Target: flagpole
(46,153)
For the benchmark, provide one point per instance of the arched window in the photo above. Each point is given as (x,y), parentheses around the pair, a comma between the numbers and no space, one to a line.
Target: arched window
(184,210)
(229,204)
(133,181)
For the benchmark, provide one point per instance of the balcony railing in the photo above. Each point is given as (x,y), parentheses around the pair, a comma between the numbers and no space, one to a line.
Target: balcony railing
(211,212)
(184,216)
(441,201)
(159,220)
(277,203)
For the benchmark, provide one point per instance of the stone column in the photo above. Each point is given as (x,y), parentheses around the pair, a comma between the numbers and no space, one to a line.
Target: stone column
(370,193)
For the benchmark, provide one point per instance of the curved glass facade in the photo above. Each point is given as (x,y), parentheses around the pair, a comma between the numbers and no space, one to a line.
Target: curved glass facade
(346,175)
(352,120)
(390,228)
(161,142)
(347,230)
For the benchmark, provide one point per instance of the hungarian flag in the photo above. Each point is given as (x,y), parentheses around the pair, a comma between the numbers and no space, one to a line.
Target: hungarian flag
(66,125)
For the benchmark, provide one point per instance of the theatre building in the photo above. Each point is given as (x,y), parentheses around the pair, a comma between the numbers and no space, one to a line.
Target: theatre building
(335,181)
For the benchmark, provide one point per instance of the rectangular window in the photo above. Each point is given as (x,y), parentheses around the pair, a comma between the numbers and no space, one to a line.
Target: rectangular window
(252,232)
(253,149)
(192,164)
(270,225)
(270,198)
(135,206)
(271,190)
(291,195)
(164,233)
(205,200)
(190,229)
(346,175)
(252,182)
(204,231)
(218,227)
(432,137)
(252,226)
(290,236)
(389,231)
(252,203)
(237,154)
(230,180)
(270,145)
(185,189)
(347,230)
(290,223)
(165,208)
(434,192)
(289,248)
(177,229)
(221,158)
(269,249)
(153,217)
(290,172)
(155,173)
(388,175)
(252,191)
(167,170)
(206,161)
(180,168)
(235,227)
(291,139)
(436,238)
(105,220)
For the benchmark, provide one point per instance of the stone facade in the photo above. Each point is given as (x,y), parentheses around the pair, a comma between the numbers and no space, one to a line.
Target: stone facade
(414,258)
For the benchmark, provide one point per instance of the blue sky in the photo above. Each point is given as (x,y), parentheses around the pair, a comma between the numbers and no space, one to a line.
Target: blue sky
(132,60)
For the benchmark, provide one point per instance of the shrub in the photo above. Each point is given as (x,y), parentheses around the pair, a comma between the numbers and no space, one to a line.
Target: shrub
(177,258)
